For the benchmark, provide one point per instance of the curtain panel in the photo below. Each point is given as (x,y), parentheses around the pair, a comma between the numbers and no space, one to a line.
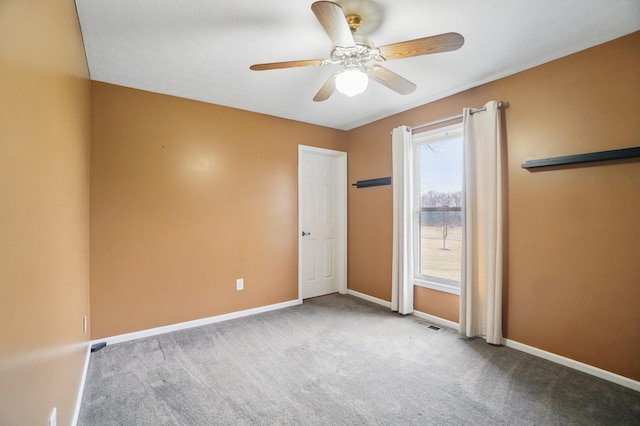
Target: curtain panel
(402,182)
(481,285)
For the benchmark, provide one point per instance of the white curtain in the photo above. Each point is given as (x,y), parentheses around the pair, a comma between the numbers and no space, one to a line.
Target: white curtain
(481,286)
(402,181)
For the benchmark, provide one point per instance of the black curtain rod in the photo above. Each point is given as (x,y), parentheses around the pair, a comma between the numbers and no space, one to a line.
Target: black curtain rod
(454,117)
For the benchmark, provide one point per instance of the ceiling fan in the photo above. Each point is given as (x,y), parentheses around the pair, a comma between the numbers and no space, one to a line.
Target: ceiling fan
(354,53)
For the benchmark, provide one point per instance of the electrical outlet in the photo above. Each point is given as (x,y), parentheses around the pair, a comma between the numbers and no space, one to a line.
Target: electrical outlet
(240,284)
(84,324)
(53,417)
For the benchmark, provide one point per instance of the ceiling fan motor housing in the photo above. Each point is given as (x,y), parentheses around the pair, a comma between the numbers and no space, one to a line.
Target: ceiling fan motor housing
(357,55)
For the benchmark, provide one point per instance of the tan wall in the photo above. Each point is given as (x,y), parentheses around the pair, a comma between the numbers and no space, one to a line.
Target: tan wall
(186,197)
(574,235)
(44,210)
(438,303)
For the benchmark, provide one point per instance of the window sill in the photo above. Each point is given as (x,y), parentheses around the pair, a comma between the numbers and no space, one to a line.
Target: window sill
(445,288)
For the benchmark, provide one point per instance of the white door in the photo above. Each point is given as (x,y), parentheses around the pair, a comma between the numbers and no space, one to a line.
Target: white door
(322,221)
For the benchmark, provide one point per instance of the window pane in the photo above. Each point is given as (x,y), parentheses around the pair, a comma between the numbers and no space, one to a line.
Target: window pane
(441,173)
(440,202)
(441,244)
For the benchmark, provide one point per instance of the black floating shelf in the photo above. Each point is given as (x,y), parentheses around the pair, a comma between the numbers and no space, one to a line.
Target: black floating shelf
(615,154)
(372,182)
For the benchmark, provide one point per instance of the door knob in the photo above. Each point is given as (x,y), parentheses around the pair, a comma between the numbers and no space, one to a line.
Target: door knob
(305,233)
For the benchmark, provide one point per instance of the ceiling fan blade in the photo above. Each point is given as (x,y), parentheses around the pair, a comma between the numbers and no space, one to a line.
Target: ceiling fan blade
(327,89)
(392,80)
(422,46)
(331,17)
(288,64)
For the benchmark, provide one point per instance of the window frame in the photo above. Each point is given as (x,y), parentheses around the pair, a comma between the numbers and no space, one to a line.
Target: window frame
(424,138)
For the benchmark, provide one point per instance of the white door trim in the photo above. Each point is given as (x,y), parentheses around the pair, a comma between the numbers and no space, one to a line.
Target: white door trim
(341,216)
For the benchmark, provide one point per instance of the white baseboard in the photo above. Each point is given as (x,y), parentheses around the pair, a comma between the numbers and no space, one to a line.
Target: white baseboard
(431,318)
(76,411)
(576,365)
(437,320)
(195,323)
(369,298)
(549,356)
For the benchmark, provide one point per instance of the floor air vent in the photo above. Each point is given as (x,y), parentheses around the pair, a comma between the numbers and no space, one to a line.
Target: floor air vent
(428,325)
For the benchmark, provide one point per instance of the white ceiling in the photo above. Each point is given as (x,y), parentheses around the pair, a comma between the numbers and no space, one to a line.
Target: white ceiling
(202,49)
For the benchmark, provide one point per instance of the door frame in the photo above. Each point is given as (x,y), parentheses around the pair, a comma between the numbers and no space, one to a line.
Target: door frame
(340,160)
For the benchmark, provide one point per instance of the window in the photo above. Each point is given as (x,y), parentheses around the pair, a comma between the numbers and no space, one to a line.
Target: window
(438,208)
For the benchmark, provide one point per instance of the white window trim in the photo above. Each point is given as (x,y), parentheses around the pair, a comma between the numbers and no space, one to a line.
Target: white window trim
(434,285)
(420,280)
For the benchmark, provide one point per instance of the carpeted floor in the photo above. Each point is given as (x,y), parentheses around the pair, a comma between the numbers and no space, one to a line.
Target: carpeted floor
(339,360)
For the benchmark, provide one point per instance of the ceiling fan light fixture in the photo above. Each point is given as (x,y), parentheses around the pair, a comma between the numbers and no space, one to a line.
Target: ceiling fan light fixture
(352,82)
